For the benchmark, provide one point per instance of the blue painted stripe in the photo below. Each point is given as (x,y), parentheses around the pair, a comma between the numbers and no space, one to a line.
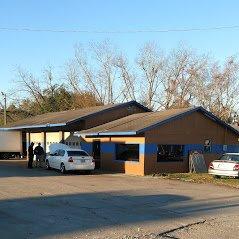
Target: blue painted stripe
(142,149)
(216,148)
(110,148)
(87,147)
(107,147)
(150,148)
(233,148)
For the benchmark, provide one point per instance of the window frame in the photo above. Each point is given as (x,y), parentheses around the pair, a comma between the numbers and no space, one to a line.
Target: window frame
(119,158)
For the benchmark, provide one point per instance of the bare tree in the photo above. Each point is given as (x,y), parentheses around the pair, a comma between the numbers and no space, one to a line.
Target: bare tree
(182,70)
(96,71)
(150,62)
(71,76)
(99,74)
(218,91)
(30,85)
(128,78)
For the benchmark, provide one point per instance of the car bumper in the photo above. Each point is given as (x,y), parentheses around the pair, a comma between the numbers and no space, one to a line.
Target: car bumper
(229,173)
(72,167)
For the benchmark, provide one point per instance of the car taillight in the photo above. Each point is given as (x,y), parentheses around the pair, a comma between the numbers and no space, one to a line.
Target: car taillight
(236,167)
(70,160)
(211,166)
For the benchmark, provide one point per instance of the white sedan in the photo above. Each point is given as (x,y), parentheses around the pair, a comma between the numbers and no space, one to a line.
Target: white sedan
(227,165)
(70,159)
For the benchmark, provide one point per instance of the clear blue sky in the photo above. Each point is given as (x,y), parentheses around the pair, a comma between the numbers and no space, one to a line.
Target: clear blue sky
(33,50)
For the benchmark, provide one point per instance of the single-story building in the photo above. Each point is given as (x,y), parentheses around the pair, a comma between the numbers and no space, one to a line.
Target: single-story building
(158,142)
(58,127)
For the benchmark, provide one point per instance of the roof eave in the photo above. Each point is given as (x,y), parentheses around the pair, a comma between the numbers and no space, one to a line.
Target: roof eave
(34,126)
(98,134)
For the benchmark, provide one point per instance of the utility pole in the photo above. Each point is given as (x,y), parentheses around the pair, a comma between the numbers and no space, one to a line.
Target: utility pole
(5,107)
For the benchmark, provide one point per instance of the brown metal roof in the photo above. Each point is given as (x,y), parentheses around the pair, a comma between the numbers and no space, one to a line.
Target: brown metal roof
(136,122)
(65,117)
(139,123)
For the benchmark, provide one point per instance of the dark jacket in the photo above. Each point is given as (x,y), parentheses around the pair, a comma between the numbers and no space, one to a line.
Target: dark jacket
(38,150)
(30,151)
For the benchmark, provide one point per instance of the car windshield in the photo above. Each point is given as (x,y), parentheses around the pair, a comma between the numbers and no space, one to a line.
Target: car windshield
(77,153)
(230,157)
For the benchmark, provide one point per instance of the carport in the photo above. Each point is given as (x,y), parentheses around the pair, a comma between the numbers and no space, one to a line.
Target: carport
(58,127)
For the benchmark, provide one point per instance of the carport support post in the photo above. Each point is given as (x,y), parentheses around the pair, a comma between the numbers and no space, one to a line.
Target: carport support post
(28,142)
(61,136)
(44,139)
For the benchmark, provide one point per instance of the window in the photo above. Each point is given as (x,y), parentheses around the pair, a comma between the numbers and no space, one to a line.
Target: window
(77,153)
(55,153)
(230,157)
(127,152)
(170,152)
(61,152)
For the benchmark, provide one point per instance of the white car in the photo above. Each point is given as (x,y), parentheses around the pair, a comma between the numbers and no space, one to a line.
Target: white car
(227,165)
(67,159)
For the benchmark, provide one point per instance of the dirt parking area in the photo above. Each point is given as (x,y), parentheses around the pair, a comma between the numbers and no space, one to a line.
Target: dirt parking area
(35,203)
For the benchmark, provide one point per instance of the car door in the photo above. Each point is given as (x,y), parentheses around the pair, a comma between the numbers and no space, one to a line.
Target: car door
(51,159)
(54,158)
(58,158)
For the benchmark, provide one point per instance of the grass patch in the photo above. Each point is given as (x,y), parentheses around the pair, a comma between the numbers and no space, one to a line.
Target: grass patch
(200,178)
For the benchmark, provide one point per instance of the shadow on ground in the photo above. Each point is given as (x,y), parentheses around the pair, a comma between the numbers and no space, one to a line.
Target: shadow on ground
(58,216)
(19,169)
(66,214)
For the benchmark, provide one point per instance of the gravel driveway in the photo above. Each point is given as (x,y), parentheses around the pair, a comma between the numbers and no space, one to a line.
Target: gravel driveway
(44,204)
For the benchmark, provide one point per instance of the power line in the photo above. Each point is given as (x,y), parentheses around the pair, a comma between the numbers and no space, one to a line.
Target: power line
(118,31)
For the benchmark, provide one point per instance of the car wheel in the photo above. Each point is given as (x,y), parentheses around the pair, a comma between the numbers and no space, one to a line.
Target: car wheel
(48,165)
(62,168)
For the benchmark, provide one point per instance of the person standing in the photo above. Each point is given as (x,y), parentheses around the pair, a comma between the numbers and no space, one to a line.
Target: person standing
(30,155)
(40,155)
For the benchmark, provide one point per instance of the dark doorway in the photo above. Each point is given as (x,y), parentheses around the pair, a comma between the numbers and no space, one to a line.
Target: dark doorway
(96,153)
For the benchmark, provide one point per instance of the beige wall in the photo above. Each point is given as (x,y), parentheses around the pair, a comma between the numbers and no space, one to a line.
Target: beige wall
(52,137)
(37,138)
